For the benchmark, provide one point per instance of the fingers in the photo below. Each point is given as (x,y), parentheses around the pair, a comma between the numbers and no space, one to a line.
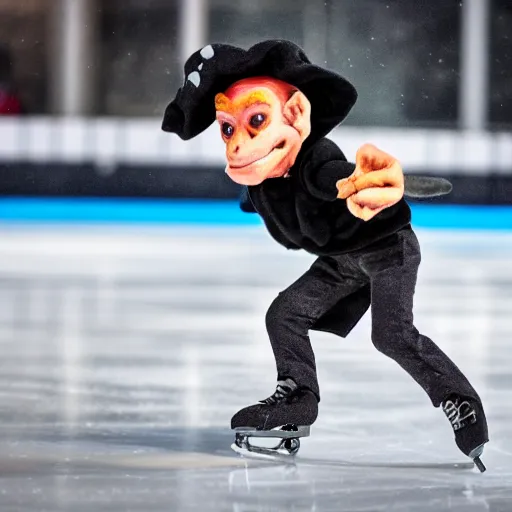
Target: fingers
(362,212)
(387,178)
(376,184)
(378,179)
(370,158)
(368,203)
(378,197)
(346,187)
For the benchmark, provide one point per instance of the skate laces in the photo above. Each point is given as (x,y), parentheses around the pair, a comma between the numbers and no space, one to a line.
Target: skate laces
(283,389)
(459,412)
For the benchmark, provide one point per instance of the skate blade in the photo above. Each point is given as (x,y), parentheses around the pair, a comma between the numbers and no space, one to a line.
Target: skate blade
(262,443)
(479,464)
(276,433)
(277,441)
(475,455)
(263,454)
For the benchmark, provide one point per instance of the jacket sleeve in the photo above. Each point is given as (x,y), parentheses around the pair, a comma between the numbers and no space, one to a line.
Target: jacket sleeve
(324,166)
(245,201)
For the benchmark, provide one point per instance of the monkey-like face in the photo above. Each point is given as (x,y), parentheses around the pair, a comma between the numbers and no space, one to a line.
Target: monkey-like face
(263,122)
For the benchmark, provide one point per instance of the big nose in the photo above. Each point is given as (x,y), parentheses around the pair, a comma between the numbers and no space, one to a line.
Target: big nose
(238,141)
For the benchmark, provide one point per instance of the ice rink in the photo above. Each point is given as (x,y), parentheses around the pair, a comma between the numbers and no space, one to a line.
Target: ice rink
(126,350)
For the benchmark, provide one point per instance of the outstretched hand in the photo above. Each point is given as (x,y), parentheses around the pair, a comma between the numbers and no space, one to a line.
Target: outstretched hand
(376,183)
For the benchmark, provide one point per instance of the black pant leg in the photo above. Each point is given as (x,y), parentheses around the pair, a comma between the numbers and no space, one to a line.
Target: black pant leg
(393,274)
(296,309)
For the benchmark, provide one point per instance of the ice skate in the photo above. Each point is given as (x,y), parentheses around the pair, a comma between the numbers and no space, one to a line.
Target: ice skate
(274,425)
(470,426)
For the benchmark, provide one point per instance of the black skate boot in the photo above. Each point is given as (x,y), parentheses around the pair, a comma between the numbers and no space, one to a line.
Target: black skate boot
(470,426)
(286,415)
(288,405)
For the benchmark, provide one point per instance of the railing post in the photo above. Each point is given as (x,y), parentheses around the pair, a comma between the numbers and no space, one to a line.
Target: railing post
(193,27)
(474,67)
(74,63)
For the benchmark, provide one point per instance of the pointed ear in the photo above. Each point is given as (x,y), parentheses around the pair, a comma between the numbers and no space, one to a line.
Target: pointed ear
(297,112)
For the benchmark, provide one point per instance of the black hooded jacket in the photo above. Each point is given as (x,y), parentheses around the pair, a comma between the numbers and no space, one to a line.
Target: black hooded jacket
(303,212)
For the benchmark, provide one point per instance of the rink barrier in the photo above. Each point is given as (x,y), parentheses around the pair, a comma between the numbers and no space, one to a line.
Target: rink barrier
(107,142)
(192,182)
(118,157)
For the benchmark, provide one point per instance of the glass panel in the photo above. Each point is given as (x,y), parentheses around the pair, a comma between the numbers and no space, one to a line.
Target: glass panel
(501,63)
(247,22)
(402,56)
(141,67)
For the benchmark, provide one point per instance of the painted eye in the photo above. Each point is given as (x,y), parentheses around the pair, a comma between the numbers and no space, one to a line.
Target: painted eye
(227,129)
(257,120)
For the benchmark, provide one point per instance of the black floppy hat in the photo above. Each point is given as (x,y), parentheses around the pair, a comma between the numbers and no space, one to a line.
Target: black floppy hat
(217,66)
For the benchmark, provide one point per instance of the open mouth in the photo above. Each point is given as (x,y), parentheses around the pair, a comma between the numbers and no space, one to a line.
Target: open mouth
(281,145)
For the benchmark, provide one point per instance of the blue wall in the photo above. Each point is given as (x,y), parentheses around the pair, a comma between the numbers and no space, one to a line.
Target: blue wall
(217,212)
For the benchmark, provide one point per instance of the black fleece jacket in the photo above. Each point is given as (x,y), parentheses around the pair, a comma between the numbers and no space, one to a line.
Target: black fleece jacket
(303,212)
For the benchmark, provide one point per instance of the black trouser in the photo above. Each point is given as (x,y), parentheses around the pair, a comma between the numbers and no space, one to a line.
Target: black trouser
(390,267)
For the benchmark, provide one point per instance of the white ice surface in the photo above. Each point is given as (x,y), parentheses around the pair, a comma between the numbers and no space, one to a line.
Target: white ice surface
(126,351)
